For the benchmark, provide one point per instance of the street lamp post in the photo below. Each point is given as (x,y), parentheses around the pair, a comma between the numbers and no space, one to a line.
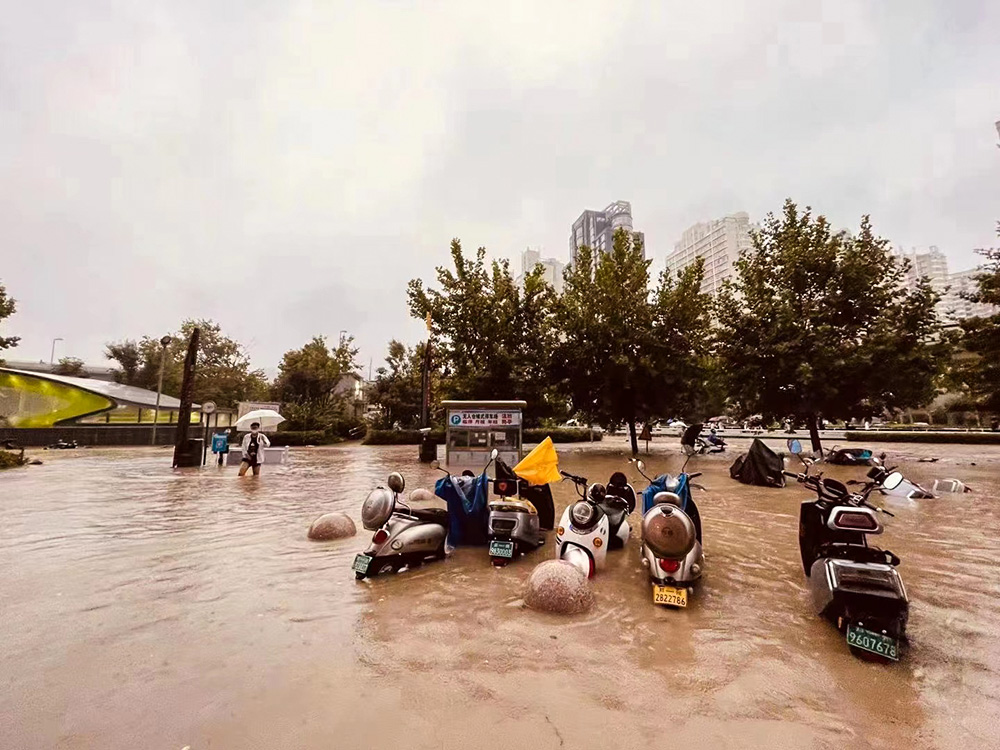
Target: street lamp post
(52,356)
(164,342)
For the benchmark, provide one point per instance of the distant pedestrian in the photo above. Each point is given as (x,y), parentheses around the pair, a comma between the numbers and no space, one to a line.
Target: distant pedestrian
(254,443)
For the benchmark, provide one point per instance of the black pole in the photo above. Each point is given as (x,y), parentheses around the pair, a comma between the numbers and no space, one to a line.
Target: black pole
(182,452)
(426,385)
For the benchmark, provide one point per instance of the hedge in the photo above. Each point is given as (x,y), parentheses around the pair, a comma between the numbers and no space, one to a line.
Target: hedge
(960,438)
(399,437)
(560,434)
(303,437)
(530,435)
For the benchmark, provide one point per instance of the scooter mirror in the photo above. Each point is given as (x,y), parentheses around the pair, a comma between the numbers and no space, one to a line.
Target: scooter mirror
(396,482)
(794,447)
(892,481)
(435,464)
(640,465)
(493,454)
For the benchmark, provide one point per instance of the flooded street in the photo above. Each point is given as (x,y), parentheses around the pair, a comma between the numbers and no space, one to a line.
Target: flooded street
(146,608)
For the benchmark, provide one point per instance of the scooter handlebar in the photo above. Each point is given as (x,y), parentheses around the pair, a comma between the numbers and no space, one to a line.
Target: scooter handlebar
(573,478)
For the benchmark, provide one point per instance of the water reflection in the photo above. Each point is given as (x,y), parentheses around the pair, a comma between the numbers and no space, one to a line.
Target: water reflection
(145,607)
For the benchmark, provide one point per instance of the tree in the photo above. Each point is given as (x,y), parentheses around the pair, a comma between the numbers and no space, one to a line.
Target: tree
(493,337)
(981,338)
(70,366)
(8,306)
(223,373)
(624,356)
(819,324)
(307,382)
(129,358)
(397,388)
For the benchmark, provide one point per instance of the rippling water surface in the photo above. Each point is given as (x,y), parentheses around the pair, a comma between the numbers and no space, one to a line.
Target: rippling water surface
(146,608)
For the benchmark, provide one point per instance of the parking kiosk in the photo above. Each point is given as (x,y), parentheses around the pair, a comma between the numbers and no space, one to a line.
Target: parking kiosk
(474,428)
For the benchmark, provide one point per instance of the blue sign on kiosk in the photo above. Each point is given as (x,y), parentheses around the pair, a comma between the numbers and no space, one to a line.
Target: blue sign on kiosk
(220,443)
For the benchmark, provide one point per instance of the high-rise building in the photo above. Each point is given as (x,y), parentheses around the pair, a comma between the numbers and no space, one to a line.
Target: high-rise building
(719,243)
(553,269)
(931,263)
(953,287)
(596,229)
(954,306)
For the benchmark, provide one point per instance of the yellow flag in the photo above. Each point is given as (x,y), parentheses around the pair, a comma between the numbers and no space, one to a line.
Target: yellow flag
(541,466)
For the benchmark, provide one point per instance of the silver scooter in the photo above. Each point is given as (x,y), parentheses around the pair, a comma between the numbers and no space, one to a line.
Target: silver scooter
(671,535)
(514,526)
(404,537)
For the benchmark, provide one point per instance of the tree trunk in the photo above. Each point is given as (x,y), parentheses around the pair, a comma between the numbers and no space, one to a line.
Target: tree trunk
(632,437)
(814,434)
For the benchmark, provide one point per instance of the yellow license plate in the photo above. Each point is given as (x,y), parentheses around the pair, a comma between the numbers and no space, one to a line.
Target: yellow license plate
(670,595)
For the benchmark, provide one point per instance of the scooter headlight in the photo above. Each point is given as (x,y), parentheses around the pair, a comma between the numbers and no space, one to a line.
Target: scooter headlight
(583,514)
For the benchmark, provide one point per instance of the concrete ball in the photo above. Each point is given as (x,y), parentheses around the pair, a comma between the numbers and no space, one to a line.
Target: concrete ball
(421,495)
(332,526)
(560,587)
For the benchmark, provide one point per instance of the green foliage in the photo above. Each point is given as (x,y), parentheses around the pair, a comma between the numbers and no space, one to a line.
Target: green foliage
(396,389)
(72,366)
(559,435)
(399,437)
(980,373)
(624,356)
(495,338)
(307,383)
(818,323)
(304,437)
(222,374)
(902,436)
(8,306)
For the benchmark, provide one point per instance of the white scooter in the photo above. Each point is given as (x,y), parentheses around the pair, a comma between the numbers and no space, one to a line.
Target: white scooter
(588,525)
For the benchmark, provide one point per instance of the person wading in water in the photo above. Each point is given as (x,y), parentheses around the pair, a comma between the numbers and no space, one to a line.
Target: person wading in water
(253,446)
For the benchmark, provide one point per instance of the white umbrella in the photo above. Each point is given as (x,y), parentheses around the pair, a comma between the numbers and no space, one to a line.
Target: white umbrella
(268,418)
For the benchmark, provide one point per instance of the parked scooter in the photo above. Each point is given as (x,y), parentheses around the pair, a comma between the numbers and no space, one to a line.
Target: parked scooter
(514,527)
(404,537)
(850,456)
(711,443)
(591,525)
(671,534)
(854,585)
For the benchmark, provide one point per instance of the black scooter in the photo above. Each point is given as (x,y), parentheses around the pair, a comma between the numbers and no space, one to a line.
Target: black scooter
(854,585)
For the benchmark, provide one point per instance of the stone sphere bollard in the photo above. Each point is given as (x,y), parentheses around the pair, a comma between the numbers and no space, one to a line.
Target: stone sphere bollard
(421,495)
(332,526)
(558,586)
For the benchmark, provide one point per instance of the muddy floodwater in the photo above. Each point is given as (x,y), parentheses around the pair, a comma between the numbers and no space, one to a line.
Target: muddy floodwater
(145,608)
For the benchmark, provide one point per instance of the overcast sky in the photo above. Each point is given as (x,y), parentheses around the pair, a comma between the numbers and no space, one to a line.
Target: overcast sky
(286,167)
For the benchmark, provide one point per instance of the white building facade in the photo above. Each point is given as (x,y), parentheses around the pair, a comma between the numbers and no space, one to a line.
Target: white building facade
(552,269)
(719,243)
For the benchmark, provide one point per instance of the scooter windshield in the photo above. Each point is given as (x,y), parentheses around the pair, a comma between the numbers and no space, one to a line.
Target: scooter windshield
(667,483)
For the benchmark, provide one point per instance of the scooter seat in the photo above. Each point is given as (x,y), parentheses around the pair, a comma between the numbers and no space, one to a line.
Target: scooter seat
(431,515)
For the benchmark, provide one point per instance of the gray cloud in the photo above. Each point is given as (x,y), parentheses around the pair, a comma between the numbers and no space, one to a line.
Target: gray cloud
(285,168)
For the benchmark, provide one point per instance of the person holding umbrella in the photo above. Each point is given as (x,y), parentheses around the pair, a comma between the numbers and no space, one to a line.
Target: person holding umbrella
(255,441)
(253,446)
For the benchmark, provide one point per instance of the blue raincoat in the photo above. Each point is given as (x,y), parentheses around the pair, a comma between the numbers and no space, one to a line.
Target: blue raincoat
(468,508)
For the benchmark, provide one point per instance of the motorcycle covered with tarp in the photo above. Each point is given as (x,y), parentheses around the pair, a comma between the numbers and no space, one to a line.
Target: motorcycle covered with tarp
(760,466)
